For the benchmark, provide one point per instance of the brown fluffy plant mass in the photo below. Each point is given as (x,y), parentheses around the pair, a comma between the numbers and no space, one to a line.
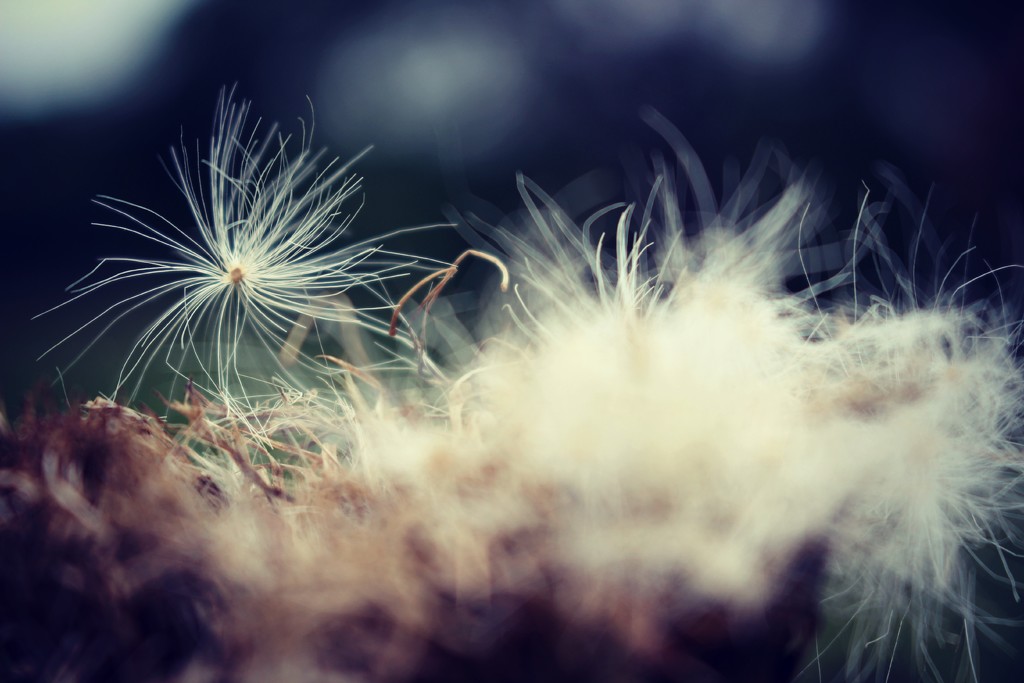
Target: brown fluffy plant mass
(125,561)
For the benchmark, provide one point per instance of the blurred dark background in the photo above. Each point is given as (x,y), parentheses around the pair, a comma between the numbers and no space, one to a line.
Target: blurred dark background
(458,95)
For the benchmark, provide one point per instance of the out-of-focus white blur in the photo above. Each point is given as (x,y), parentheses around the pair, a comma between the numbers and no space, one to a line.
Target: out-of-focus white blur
(404,83)
(59,54)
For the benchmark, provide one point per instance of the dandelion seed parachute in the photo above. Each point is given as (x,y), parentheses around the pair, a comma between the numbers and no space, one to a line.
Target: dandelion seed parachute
(265,256)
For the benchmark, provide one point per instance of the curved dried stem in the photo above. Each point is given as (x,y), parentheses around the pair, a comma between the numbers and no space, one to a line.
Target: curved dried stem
(349,333)
(445,274)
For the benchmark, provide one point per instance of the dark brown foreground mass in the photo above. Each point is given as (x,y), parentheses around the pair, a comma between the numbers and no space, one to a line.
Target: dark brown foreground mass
(108,573)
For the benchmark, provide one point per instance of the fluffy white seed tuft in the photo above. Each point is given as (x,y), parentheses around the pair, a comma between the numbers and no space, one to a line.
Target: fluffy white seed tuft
(712,422)
(262,261)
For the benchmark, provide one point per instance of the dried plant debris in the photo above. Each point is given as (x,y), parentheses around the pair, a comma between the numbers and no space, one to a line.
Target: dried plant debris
(127,561)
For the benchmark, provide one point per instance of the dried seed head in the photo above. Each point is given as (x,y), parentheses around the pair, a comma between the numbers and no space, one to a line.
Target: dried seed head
(261,202)
(236,274)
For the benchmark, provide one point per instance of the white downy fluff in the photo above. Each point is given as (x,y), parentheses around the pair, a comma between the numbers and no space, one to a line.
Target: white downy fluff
(709,423)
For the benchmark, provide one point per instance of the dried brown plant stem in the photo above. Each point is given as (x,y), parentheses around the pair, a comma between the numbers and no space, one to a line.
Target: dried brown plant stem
(445,274)
(233,446)
(349,335)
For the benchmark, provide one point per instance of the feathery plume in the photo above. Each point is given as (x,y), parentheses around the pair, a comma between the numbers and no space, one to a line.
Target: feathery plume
(264,255)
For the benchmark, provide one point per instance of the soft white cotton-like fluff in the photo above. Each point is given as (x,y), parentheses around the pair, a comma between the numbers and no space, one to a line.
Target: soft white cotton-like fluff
(710,423)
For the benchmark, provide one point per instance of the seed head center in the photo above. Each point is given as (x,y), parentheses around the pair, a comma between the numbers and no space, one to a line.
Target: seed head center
(236,274)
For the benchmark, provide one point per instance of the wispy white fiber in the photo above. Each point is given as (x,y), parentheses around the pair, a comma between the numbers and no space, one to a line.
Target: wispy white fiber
(711,421)
(263,260)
